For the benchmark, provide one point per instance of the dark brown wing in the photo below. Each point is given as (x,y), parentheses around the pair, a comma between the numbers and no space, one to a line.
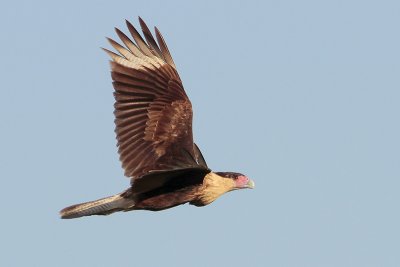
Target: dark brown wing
(153,113)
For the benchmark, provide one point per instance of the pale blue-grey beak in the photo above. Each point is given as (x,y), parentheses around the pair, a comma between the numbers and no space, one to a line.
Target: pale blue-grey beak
(250,184)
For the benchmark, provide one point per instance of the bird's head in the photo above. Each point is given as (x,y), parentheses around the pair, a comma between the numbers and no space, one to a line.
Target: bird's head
(241,181)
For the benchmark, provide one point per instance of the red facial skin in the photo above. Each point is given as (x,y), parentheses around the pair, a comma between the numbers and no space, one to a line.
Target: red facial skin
(242,181)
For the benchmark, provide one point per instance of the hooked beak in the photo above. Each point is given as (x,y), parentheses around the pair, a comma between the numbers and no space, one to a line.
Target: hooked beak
(250,184)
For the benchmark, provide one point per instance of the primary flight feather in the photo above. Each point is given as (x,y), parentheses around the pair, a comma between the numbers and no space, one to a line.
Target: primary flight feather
(153,118)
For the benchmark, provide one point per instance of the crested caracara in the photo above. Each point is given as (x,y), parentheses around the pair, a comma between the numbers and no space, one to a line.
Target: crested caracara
(153,118)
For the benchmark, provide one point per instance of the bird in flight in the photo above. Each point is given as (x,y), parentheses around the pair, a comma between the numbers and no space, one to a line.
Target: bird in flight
(153,118)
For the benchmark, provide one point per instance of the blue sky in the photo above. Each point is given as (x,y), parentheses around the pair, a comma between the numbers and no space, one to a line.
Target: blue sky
(302,96)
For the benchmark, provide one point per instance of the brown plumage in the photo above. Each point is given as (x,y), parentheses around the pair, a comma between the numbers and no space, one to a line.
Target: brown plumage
(153,118)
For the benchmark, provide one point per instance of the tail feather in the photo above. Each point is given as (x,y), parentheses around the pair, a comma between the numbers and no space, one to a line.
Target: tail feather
(103,206)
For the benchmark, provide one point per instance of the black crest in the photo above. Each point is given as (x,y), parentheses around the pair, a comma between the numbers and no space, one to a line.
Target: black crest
(232,175)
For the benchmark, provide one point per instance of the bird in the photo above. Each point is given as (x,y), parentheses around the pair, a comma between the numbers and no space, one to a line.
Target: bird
(153,126)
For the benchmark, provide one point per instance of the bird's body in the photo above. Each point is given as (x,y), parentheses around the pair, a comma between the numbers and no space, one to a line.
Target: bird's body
(206,190)
(154,134)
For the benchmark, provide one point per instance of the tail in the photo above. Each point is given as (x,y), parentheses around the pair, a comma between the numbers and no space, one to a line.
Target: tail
(103,206)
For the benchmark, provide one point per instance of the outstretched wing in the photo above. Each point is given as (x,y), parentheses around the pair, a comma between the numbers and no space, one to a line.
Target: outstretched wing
(153,114)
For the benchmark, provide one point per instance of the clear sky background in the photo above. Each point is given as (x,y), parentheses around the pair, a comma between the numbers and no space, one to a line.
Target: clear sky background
(302,96)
